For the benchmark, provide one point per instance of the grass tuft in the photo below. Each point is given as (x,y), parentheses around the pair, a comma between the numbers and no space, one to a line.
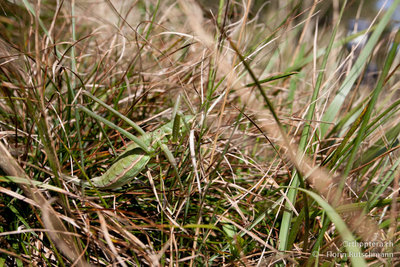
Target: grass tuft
(194,133)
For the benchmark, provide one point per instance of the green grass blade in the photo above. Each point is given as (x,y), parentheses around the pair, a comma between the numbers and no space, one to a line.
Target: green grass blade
(296,180)
(115,112)
(342,228)
(370,107)
(139,142)
(356,70)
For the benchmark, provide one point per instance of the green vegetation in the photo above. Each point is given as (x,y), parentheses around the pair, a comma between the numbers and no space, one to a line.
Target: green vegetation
(256,139)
